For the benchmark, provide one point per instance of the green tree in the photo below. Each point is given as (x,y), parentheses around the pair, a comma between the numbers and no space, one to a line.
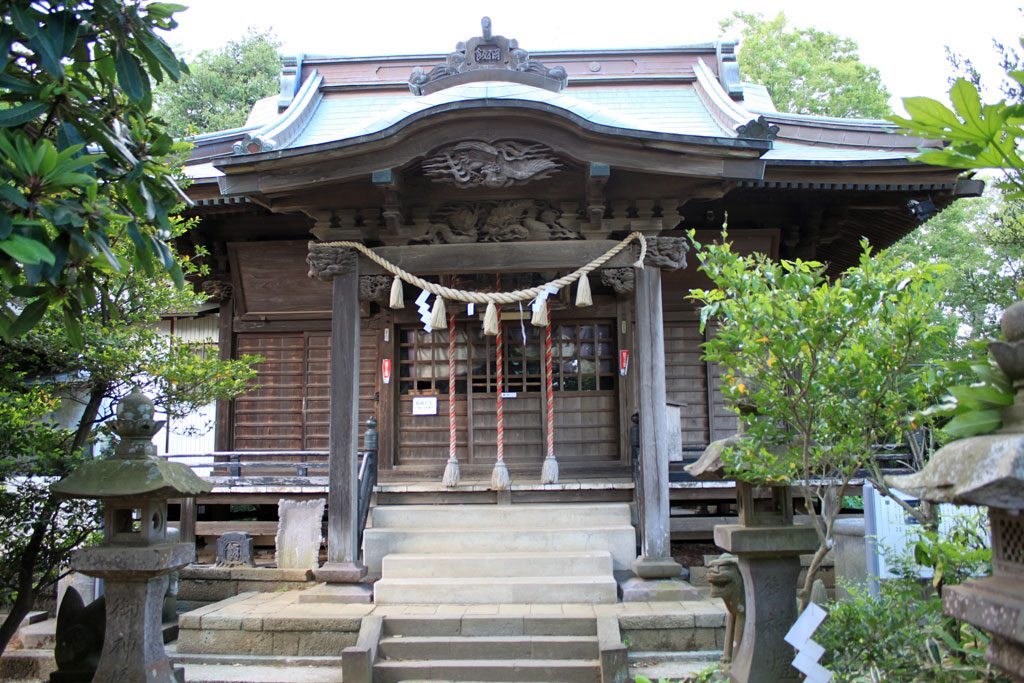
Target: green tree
(120,347)
(981,240)
(827,369)
(221,86)
(807,71)
(82,159)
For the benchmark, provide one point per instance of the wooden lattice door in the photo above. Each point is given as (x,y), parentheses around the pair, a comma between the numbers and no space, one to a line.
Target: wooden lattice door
(584,375)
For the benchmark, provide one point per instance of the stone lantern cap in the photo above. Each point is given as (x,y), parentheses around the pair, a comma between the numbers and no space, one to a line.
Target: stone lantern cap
(134,470)
(709,466)
(988,469)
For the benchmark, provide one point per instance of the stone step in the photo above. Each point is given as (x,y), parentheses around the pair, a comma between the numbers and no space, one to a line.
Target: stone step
(620,541)
(40,635)
(496,516)
(489,647)
(564,670)
(490,590)
(251,673)
(422,565)
(472,625)
(27,665)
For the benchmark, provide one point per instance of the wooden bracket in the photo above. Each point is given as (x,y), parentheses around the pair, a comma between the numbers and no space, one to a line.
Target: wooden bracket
(390,185)
(597,178)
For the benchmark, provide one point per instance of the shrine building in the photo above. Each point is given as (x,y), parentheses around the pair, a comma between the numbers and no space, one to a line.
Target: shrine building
(401,238)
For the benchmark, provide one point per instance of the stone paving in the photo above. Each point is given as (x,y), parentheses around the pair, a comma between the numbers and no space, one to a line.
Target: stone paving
(279,624)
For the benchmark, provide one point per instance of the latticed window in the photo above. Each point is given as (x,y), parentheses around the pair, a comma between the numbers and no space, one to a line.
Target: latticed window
(583,359)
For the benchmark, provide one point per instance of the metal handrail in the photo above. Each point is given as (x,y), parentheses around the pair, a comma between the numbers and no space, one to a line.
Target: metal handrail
(367,474)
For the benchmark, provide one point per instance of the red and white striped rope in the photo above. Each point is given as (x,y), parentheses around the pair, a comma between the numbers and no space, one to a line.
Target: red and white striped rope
(499,355)
(550,390)
(451,386)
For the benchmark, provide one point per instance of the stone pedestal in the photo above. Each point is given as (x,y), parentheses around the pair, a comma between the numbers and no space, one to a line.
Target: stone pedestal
(769,560)
(850,555)
(340,572)
(136,581)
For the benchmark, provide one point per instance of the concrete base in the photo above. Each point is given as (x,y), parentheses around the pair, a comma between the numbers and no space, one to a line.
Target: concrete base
(340,572)
(637,589)
(337,593)
(656,568)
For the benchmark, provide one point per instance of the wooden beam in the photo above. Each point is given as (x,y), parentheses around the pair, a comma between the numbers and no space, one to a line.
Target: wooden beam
(504,257)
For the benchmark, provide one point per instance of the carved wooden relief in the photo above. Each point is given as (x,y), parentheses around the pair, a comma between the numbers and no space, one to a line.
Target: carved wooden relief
(376,288)
(325,262)
(516,220)
(667,252)
(621,280)
(478,164)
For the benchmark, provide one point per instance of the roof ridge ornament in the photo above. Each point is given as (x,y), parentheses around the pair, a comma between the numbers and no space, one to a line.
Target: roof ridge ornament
(758,129)
(487,57)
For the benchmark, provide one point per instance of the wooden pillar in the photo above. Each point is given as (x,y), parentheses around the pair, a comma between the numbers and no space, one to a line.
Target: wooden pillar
(343,493)
(655,559)
(187,521)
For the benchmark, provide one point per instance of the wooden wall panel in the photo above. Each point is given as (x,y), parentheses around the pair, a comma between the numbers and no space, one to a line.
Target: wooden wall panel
(270,416)
(524,429)
(290,408)
(586,427)
(686,380)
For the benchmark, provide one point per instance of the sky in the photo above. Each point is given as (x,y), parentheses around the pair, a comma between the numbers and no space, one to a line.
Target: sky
(904,39)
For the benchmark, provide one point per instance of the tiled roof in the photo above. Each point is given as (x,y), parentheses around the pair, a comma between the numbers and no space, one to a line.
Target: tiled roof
(663,109)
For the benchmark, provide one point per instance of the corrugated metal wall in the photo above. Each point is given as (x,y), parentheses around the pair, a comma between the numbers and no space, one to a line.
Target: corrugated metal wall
(194,434)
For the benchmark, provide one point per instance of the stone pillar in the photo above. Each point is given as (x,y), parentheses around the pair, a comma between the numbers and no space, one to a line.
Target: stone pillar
(343,493)
(769,560)
(851,555)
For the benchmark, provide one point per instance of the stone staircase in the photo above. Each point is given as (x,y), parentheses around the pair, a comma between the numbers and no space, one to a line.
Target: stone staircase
(493,554)
(562,647)
(29,655)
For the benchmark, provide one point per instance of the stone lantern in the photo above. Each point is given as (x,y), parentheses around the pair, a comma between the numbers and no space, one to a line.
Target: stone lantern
(767,546)
(989,470)
(135,556)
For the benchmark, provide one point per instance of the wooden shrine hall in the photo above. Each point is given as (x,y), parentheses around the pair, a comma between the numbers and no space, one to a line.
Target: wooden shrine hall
(486,252)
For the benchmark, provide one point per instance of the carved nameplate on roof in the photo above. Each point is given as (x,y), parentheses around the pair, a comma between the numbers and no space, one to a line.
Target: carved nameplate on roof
(487,58)
(478,164)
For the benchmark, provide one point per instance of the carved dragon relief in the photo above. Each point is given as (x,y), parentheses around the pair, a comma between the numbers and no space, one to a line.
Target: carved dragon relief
(516,220)
(478,164)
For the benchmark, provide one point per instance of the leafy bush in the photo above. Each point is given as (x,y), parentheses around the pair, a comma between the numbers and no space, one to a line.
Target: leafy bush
(901,635)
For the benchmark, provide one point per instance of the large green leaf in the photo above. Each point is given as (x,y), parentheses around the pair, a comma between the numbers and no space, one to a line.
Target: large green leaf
(20,114)
(26,250)
(29,317)
(130,75)
(981,397)
(974,423)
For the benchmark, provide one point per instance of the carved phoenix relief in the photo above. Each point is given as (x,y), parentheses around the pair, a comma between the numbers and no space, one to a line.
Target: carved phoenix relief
(503,164)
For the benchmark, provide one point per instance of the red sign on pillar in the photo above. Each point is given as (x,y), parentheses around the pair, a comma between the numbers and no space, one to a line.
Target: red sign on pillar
(385,370)
(623,362)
